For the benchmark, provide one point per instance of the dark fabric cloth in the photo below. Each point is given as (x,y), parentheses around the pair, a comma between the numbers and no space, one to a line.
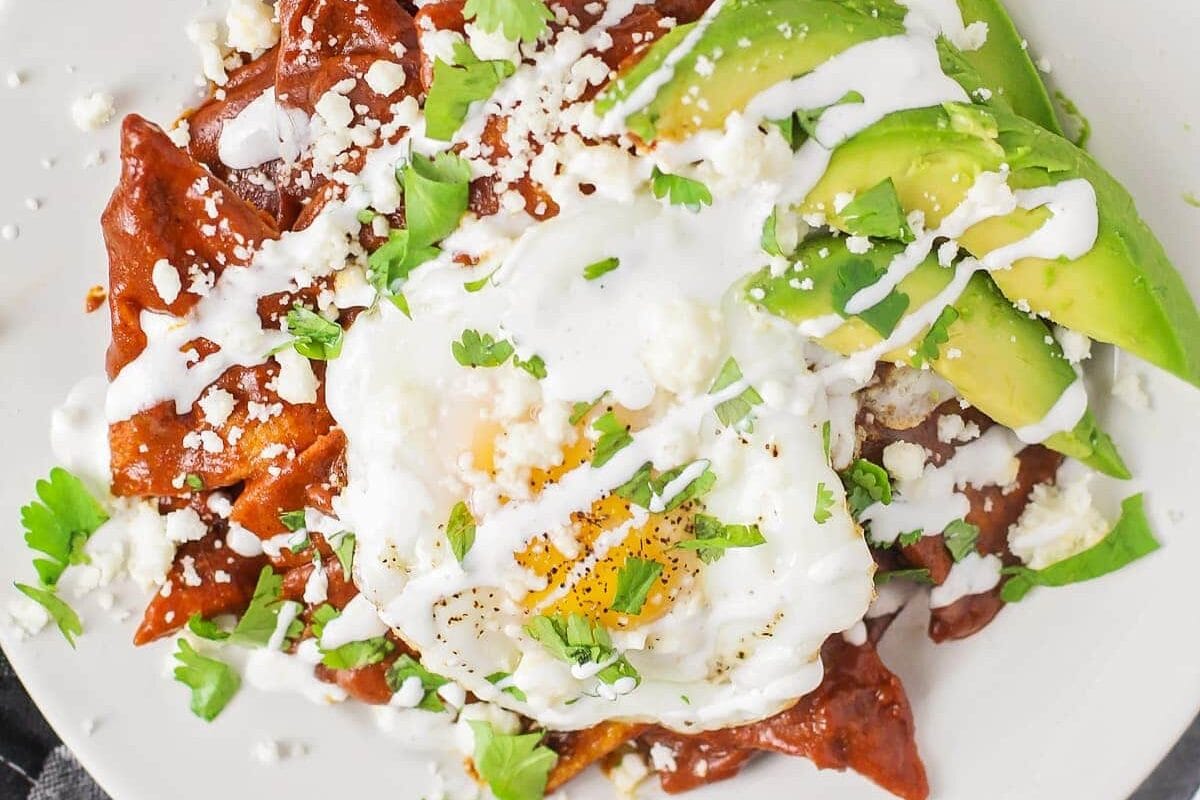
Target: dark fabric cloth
(35,765)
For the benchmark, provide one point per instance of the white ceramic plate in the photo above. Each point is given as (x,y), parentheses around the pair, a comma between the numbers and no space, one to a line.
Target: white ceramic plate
(1076,692)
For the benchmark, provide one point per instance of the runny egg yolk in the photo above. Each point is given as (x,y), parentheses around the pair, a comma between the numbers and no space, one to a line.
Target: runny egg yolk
(586,582)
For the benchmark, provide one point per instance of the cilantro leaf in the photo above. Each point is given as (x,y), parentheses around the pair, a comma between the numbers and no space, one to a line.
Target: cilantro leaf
(823,509)
(455,87)
(769,239)
(194,482)
(826,437)
(808,118)
(514,767)
(614,437)
(63,615)
(960,537)
(535,366)
(323,615)
(435,196)
(736,410)
(916,575)
(854,274)
(911,537)
(213,683)
(679,191)
(292,520)
(866,483)
(480,350)
(258,622)
(519,20)
(593,271)
(500,677)
(1129,540)
(642,488)
(877,212)
(406,667)
(576,640)
(938,334)
(713,537)
(790,130)
(460,530)
(344,550)
(581,409)
(60,523)
(478,284)
(634,581)
(356,655)
(388,267)
(315,337)
(206,628)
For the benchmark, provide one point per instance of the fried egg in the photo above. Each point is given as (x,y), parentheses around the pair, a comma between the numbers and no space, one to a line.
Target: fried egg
(655,368)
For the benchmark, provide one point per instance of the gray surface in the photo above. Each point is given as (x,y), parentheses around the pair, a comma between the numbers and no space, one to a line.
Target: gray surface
(1178,777)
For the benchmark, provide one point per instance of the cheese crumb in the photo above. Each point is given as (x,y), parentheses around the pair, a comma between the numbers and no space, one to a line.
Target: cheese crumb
(385,77)
(296,382)
(93,111)
(1128,389)
(28,617)
(904,460)
(1058,522)
(662,758)
(166,280)
(251,27)
(206,36)
(217,405)
(185,525)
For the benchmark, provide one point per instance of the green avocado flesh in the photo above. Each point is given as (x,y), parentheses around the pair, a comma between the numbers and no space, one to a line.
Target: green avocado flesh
(1124,291)
(750,45)
(1004,66)
(997,358)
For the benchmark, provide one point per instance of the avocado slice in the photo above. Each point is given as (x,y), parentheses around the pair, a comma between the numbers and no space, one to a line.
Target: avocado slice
(1001,361)
(1005,66)
(1124,291)
(747,46)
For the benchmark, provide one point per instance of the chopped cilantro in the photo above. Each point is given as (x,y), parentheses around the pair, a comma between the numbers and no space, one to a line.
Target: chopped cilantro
(292,520)
(535,366)
(435,196)
(790,130)
(577,640)
(593,271)
(769,239)
(389,265)
(519,20)
(938,334)
(911,537)
(866,483)
(736,410)
(854,274)
(406,667)
(826,435)
(322,615)
(479,283)
(480,350)
(356,655)
(194,482)
(344,548)
(642,488)
(515,767)
(823,509)
(366,216)
(914,575)
(315,337)
(877,212)
(614,437)
(258,622)
(1129,540)
(581,409)
(213,683)
(960,537)
(456,86)
(496,678)
(460,530)
(60,524)
(63,615)
(679,191)
(711,537)
(634,581)
(206,628)
(807,119)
